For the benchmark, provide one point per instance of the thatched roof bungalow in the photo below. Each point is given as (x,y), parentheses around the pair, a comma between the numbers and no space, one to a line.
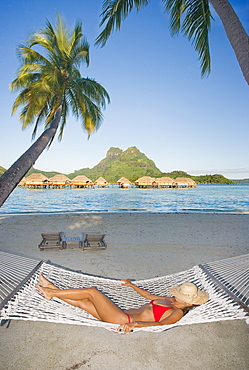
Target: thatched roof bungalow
(184,182)
(145,182)
(36,180)
(120,180)
(123,182)
(101,183)
(191,183)
(81,181)
(164,182)
(60,180)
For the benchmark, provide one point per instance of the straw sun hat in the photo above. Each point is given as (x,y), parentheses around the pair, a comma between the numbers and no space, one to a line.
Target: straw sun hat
(188,292)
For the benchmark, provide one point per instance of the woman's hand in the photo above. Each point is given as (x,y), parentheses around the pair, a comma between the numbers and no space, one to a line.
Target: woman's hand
(127,328)
(127,283)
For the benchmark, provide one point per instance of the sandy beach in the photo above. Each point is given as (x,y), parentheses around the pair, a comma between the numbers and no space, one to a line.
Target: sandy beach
(140,246)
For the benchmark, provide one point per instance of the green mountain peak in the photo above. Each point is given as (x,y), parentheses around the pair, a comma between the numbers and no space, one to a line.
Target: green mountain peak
(130,163)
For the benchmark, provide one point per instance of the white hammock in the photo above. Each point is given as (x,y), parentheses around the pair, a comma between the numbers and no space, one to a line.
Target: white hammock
(226,282)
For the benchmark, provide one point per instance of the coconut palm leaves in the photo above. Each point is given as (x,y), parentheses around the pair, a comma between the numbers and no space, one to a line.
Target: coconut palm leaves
(192,17)
(113,13)
(47,82)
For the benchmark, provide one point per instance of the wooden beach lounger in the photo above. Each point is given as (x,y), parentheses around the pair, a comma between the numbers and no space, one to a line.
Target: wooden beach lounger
(51,240)
(91,241)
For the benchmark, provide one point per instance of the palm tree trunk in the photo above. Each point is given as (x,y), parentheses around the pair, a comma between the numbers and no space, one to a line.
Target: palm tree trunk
(11,178)
(235,32)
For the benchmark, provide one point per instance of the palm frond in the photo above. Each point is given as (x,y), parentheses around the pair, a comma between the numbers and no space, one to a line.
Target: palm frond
(39,117)
(85,108)
(79,47)
(20,100)
(113,13)
(49,40)
(193,18)
(94,91)
(62,36)
(39,38)
(30,69)
(176,8)
(27,114)
(89,125)
(80,53)
(196,27)
(23,80)
(29,56)
(71,100)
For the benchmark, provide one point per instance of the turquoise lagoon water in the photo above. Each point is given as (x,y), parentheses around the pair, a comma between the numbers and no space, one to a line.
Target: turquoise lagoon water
(204,198)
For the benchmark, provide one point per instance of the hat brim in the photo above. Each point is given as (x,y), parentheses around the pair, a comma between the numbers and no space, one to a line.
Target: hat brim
(200,298)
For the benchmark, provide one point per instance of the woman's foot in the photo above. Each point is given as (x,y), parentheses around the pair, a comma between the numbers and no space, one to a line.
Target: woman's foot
(45,282)
(45,291)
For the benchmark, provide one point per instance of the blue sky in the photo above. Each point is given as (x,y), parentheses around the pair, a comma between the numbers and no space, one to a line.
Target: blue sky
(159,102)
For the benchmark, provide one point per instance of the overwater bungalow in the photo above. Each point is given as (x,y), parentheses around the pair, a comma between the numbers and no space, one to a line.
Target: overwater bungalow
(37,181)
(164,182)
(124,183)
(81,181)
(101,183)
(59,181)
(184,182)
(191,183)
(145,182)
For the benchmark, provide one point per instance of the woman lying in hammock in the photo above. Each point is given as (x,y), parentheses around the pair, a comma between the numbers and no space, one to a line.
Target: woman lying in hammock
(159,311)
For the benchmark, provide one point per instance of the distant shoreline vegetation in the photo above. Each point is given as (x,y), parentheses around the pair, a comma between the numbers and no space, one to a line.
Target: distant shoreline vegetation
(132,164)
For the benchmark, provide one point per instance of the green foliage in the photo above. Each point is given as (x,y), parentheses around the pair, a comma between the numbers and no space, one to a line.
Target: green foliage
(131,164)
(203,179)
(48,174)
(175,174)
(114,151)
(52,79)
(212,179)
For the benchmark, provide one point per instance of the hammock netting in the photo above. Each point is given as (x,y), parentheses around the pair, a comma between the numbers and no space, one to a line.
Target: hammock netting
(226,282)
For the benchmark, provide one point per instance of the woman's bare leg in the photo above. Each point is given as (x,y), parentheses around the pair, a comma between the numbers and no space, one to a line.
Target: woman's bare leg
(89,299)
(86,305)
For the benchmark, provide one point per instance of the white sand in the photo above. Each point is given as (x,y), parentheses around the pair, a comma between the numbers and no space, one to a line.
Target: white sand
(140,246)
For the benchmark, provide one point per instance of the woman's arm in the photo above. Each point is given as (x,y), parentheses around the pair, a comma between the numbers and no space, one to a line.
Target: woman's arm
(144,293)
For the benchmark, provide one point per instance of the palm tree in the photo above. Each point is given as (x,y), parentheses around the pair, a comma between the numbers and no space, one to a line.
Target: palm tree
(193,18)
(50,87)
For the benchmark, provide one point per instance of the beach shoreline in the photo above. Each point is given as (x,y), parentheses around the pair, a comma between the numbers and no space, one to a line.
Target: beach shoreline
(139,246)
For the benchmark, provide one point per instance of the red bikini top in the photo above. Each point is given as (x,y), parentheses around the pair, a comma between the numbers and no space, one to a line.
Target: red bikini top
(158,310)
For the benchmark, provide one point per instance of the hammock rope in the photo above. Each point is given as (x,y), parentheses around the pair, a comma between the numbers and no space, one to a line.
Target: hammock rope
(15,270)
(226,282)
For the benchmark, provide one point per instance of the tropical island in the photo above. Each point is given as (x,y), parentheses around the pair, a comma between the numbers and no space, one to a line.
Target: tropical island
(132,164)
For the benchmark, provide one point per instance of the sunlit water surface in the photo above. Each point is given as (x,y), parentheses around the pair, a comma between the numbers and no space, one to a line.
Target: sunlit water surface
(204,198)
